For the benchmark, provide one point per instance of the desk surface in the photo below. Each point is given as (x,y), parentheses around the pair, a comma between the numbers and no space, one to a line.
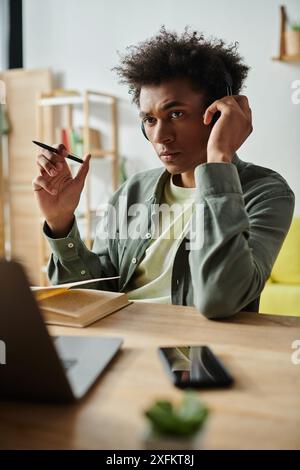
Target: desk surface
(262,410)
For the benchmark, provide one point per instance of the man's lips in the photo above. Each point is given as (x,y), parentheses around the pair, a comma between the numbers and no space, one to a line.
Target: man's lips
(169,156)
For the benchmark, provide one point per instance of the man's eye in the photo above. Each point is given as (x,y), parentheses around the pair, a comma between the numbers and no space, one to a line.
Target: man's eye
(149,120)
(176,114)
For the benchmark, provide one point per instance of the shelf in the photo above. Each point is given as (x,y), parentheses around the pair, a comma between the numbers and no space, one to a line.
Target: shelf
(69,99)
(102,153)
(288,58)
(282,56)
(93,96)
(99,153)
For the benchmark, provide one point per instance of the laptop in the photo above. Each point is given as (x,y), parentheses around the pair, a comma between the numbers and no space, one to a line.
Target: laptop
(35,365)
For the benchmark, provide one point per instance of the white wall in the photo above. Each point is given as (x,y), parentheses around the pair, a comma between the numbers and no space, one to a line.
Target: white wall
(78,39)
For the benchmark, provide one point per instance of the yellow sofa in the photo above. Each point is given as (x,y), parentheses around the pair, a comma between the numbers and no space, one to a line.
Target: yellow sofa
(281,294)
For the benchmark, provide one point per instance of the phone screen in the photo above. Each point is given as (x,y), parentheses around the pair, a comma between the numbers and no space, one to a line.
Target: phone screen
(195,367)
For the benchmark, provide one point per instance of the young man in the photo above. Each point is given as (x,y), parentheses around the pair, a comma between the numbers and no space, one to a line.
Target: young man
(187,91)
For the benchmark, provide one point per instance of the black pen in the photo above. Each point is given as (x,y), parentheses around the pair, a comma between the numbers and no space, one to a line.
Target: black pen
(54,150)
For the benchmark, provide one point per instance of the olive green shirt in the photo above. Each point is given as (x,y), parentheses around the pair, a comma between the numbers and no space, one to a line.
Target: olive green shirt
(247,211)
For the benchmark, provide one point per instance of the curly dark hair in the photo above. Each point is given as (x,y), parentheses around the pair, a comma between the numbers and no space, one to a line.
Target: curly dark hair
(169,55)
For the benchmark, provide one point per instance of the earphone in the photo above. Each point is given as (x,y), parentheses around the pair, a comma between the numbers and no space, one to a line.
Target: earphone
(143,130)
(228,83)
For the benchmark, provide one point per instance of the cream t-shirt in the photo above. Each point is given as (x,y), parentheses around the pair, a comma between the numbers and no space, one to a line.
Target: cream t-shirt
(152,278)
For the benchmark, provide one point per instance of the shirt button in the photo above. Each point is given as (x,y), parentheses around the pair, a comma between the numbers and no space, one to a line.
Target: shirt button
(148,235)
(82,272)
(70,245)
(133,260)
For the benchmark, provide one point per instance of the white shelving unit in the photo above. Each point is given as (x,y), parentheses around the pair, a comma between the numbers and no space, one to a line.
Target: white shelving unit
(70,100)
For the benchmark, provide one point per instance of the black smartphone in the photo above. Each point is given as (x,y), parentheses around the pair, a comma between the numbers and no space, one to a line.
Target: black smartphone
(195,367)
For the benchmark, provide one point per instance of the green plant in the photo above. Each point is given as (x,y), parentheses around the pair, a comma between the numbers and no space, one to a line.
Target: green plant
(181,421)
(295,26)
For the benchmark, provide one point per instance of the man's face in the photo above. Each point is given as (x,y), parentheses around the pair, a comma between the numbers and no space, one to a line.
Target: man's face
(172,113)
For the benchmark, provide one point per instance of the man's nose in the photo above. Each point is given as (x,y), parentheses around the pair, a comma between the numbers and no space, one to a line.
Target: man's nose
(163,133)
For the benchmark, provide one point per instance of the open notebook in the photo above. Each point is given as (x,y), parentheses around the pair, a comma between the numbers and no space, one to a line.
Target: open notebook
(64,305)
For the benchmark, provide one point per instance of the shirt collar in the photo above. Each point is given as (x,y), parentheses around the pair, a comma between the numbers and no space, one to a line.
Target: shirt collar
(163,177)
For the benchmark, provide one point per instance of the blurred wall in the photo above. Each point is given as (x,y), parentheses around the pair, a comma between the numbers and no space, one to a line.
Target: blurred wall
(79,39)
(4,30)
